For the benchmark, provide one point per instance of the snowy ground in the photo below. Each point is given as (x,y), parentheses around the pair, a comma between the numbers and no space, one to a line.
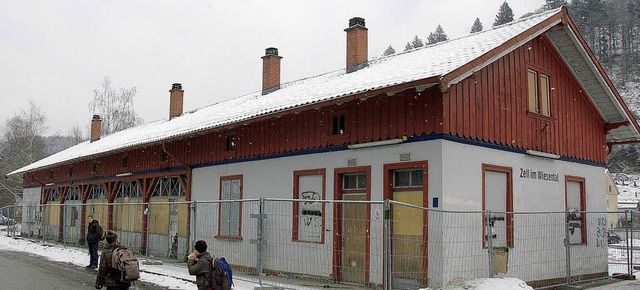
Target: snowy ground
(176,276)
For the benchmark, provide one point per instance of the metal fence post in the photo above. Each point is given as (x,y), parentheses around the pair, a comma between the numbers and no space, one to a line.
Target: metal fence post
(631,251)
(259,241)
(44,224)
(626,232)
(194,218)
(567,243)
(147,212)
(489,242)
(386,246)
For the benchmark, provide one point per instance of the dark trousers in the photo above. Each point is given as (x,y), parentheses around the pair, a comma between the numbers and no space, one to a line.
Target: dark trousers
(93,254)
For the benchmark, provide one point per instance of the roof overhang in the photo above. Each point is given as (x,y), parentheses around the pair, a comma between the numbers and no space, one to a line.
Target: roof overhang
(622,128)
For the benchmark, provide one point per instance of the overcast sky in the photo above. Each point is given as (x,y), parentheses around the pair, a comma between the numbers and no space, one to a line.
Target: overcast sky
(57,52)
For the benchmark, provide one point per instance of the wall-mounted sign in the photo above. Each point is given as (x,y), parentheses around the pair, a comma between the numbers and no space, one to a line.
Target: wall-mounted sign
(538,175)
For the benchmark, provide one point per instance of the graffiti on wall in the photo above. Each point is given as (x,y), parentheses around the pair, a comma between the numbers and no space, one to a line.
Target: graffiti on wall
(310,216)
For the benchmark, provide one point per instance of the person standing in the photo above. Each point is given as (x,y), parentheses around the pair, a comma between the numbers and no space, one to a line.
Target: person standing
(94,233)
(199,264)
(106,270)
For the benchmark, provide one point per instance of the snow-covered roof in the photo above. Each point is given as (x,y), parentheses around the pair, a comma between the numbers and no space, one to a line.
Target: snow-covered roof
(433,61)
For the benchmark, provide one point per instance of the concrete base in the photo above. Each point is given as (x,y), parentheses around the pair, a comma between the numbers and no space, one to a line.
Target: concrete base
(151,262)
(624,276)
(565,287)
(268,288)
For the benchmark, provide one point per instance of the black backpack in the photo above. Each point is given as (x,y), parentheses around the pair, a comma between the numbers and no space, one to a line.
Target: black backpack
(101,233)
(218,279)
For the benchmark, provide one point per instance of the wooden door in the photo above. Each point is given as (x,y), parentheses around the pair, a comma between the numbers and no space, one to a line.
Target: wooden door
(407,238)
(354,233)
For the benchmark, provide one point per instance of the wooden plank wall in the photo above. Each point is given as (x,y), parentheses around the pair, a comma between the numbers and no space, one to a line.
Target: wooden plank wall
(377,118)
(491,106)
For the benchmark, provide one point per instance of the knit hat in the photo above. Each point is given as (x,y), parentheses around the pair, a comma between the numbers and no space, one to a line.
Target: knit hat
(200,246)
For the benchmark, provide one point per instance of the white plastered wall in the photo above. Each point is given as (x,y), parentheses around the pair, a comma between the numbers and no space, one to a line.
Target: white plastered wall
(273,178)
(538,252)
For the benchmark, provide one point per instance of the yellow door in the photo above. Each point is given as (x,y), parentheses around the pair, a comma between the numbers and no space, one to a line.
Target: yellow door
(407,244)
(354,232)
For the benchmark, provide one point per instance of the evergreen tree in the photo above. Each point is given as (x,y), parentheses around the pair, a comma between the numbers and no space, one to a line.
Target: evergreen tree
(417,42)
(437,36)
(389,51)
(505,15)
(408,46)
(553,4)
(590,17)
(477,26)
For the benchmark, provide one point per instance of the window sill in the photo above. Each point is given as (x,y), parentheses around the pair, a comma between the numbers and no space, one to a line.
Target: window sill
(233,238)
(541,117)
(307,242)
(338,140)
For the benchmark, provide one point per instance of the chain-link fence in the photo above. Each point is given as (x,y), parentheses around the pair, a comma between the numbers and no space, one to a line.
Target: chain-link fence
(383,244)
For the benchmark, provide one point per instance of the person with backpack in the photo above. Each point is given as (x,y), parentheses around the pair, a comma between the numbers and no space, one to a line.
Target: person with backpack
(201,264)
(94,235)
(108,274)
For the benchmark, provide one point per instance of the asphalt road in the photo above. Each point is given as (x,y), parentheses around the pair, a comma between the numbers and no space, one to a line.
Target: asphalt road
(20,270)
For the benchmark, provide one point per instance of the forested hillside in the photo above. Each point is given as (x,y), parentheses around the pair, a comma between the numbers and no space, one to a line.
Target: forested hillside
(612,30)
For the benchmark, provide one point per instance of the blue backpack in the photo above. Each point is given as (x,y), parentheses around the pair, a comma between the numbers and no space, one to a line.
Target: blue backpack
(222,262)
(220,277)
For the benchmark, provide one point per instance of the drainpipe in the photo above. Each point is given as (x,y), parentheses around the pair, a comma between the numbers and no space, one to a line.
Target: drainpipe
(187,190)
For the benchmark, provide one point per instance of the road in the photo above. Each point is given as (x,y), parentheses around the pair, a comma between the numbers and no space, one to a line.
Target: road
(21,271)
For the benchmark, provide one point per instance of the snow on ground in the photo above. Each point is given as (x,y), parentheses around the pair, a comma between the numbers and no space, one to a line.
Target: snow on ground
(177,277)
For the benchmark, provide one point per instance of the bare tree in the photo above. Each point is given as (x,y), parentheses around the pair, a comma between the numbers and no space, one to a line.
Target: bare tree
(115,107)
(76,134)
(23,144)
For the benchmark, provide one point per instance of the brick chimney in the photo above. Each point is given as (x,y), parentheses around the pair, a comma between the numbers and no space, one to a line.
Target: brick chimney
(270,70)
(176,99)
(96,128)
(357,45)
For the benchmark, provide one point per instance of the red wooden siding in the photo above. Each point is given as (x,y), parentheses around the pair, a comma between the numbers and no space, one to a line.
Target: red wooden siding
(491,105)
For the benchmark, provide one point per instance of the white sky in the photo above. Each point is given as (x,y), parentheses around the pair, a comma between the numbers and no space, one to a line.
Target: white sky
(56,52)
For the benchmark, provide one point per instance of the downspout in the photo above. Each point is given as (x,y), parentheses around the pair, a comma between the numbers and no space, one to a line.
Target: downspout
(187,191)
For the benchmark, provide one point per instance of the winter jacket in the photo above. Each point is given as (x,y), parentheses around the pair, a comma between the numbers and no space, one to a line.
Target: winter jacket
(201,268)
(106,272)
(93,232)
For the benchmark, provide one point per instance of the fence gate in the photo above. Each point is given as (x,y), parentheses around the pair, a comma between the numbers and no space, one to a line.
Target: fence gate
(72,230)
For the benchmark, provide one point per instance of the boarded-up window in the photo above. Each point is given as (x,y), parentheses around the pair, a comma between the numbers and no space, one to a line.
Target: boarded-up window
(230,212)
(576,205)
(309,214)
(538,93)
(498,206)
